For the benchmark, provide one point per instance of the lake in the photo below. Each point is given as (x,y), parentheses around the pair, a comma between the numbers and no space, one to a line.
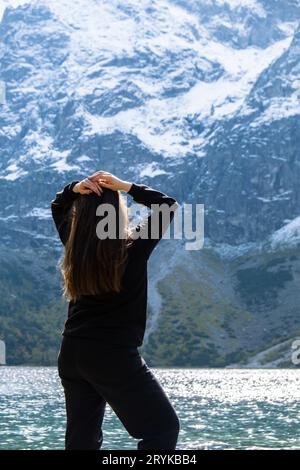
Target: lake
(217,408)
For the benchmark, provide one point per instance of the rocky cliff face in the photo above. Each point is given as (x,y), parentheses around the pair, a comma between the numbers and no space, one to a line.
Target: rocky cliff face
(201,98)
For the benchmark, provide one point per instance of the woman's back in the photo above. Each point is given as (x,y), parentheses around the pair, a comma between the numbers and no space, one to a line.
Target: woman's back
(114,318)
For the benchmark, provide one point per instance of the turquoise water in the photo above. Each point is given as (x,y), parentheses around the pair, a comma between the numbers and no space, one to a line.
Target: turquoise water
(218,409)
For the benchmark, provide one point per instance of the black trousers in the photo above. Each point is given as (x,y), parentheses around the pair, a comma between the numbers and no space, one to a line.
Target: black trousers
(93,375)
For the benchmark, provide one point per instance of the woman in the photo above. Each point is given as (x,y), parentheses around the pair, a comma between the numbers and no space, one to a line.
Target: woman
(105,281)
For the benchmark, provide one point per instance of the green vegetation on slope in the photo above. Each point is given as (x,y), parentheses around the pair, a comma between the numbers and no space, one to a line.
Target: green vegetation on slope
(197,323)
(217,312)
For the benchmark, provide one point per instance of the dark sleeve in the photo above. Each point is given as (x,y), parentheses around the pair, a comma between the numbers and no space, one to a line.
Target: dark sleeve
(152,228)
(60,207)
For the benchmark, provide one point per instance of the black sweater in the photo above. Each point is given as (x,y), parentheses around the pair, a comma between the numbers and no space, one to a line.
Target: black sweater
(115,319)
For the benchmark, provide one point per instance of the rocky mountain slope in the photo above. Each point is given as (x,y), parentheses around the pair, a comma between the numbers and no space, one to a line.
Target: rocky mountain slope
(197,98)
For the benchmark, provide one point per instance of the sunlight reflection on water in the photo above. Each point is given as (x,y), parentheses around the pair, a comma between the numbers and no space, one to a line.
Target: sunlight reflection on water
(217,408)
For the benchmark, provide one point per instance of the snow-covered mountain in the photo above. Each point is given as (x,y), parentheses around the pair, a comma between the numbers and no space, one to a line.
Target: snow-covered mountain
(199,97)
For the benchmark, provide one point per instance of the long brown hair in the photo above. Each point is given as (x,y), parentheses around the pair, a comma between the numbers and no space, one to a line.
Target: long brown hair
(91,265)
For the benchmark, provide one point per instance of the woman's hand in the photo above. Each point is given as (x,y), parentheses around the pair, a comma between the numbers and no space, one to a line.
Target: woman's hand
(107,180)
(87,186)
